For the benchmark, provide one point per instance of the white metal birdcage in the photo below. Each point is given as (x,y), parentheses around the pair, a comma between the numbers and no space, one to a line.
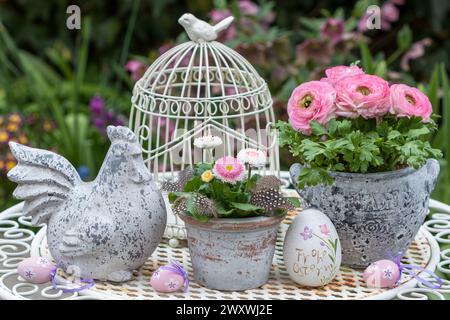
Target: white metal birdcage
(201,87)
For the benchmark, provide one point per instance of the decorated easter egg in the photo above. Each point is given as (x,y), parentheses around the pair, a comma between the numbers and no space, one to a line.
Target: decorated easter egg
(167,280)
(382,274)
(312,250)
(36,270)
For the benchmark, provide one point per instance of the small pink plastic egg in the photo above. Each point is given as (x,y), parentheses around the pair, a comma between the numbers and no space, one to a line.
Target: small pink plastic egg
(36,270)
(382,274)
(166,281)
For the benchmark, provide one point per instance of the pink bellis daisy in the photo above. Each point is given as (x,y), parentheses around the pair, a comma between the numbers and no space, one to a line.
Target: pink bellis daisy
(229,169)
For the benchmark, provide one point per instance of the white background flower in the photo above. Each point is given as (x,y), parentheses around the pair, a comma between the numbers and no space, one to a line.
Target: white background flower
(207,142)
(253,157)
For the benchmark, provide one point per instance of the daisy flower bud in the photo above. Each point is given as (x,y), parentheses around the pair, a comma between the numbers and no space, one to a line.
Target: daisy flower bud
(207,142)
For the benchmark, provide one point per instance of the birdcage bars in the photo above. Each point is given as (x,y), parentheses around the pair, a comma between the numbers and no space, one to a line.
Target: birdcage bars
(205,83)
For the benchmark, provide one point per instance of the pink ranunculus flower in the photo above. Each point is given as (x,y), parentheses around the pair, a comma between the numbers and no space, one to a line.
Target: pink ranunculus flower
(362,95)
(335,74)
(229,169)
(313,100)
(408,102)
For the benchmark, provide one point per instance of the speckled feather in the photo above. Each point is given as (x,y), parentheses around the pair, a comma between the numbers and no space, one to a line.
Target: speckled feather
(267,182)
(202,204)
(270,199)
(178,186)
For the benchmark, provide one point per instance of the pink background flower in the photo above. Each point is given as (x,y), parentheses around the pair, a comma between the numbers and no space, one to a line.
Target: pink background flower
(312,100)
(229,169)
(416,51)
(333,29)
(362,95)
(248,10)
(217,16)
(406,101)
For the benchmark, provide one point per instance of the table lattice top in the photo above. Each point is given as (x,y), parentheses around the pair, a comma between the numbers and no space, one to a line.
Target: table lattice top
(18,241)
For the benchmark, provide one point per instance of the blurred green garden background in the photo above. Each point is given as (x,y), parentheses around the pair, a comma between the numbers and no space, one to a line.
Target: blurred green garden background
(60,88)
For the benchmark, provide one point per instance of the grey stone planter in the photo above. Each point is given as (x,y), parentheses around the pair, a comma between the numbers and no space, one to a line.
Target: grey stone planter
(376,215)
(232,254)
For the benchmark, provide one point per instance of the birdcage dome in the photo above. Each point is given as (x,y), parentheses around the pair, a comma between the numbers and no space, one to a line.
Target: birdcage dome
(200,80)
(197,88)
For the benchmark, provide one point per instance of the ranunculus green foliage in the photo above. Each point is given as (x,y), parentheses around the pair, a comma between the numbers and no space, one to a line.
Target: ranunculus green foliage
(359,146)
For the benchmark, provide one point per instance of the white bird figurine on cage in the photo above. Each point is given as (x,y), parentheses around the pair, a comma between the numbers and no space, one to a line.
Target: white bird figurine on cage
(201,31)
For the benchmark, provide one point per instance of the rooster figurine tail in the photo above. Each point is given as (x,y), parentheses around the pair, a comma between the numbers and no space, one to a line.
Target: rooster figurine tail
(44,180)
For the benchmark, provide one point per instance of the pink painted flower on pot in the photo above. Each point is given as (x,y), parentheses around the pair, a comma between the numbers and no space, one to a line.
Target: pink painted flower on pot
(408,102)
(229,169)
(362,95)
(312,100)
(335,74)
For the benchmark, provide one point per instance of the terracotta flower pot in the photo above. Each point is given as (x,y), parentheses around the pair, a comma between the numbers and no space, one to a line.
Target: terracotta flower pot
(232,254)
(376,215)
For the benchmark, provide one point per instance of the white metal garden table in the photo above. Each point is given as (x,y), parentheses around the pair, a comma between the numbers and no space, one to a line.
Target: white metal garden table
(19,240)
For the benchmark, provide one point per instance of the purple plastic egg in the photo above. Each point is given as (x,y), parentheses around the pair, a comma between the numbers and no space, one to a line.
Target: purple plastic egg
(36,270)
(166,281)
(382,274)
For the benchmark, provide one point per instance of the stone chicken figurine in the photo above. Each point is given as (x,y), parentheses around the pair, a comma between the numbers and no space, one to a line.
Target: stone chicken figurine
(102,229)
(201,31)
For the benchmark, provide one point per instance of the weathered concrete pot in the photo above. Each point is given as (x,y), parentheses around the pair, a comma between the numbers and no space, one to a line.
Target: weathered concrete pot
(232,254)
(376,215)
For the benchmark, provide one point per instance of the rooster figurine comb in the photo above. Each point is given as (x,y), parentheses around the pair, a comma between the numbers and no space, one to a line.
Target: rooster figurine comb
(102,229)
